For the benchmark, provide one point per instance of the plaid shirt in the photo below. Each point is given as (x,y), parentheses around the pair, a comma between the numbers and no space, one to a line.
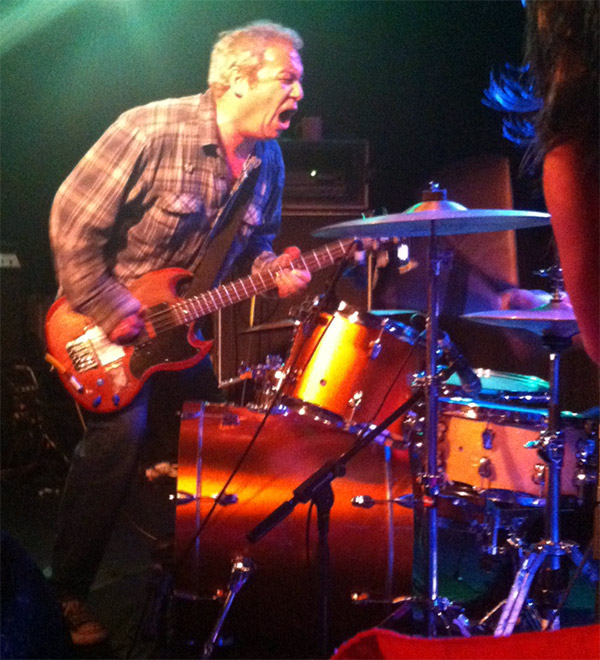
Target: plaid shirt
(145,197)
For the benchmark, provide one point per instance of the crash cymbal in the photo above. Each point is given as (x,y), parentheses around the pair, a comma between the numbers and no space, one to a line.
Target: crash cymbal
(550,319)
(451,218)
(282,324)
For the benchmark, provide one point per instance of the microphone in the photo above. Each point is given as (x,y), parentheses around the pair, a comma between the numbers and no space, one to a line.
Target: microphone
(469,380)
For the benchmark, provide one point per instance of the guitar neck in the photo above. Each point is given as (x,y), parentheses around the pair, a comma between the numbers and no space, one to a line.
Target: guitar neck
(191,309)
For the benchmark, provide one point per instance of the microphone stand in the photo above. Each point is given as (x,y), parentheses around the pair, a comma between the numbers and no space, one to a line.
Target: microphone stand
(318,489)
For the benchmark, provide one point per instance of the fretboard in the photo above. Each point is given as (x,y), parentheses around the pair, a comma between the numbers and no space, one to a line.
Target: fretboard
(193,308)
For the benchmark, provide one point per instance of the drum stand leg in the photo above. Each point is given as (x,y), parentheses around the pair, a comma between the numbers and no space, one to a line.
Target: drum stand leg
(546,555)
(241,569)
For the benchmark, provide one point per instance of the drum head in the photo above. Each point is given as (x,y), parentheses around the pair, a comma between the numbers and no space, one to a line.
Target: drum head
(493,382)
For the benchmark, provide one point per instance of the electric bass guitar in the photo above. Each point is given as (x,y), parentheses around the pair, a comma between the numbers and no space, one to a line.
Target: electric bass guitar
(104,377)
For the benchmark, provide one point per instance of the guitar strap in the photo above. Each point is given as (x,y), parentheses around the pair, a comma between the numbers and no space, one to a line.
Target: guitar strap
(220,240)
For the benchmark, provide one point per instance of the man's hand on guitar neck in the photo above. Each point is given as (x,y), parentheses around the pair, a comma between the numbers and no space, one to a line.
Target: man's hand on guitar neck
(127,329)
(289,280)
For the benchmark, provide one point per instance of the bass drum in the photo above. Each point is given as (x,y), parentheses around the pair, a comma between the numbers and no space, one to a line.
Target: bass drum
(353,364)
(370,549)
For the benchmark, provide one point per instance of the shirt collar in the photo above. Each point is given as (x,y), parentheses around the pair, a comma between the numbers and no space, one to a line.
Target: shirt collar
(207,121)
(207,127)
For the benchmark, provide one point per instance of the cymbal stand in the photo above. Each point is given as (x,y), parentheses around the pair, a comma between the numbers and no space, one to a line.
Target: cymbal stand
(546,555)
(430,483)
(431,480)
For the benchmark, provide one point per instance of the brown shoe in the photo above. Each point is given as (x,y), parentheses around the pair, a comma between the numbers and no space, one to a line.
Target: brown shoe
(85,629)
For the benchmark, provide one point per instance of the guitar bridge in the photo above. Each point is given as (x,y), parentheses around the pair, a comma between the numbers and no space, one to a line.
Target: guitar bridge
(93,349)
(82,354)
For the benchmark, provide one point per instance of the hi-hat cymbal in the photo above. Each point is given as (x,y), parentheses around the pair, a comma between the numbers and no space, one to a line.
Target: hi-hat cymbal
(454,220)
(550,319)
(282,324)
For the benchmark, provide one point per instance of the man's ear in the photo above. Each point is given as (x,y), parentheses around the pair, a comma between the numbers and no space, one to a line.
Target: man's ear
(238,83)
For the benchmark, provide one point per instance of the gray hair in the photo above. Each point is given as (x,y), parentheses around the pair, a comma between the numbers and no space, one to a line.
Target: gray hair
(244,49)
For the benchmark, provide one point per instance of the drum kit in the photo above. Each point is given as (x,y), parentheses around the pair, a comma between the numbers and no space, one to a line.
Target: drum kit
(358,389)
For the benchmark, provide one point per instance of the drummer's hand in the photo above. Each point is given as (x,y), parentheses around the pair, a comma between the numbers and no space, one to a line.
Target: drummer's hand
(127,329)
(524,299)
(289,280)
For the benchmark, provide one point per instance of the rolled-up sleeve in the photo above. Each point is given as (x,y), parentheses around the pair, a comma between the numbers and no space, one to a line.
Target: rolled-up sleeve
(82,223)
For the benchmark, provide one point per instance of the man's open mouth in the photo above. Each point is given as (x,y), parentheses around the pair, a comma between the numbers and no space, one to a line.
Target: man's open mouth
(285,116)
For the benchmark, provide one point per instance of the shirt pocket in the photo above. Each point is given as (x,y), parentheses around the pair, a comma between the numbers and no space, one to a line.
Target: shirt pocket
(180,204)
(173,219)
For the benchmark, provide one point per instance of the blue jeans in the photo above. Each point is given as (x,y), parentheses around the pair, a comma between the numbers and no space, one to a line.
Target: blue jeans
(103,467)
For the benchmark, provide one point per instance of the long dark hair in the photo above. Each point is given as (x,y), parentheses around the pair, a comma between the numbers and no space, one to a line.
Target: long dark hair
(554,96)
(562,48)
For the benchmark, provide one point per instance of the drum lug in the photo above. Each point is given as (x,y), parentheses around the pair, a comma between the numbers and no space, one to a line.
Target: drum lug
(485,469)
(583,477)
(355,400)
(375,347)
(487,439)
(539,474)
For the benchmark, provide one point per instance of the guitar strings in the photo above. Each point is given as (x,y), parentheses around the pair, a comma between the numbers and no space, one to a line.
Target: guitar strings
(174,315)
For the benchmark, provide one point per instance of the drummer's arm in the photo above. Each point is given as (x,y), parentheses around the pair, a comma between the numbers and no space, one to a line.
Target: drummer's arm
(524,298)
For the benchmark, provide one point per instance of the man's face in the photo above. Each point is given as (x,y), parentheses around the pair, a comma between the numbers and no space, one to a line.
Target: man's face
(273,98)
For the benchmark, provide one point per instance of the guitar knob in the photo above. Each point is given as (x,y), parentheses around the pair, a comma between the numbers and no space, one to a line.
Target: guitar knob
(96,402)
(116,399)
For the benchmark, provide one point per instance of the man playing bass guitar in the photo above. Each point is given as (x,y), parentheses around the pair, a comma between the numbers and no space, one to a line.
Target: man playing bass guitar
(154,193)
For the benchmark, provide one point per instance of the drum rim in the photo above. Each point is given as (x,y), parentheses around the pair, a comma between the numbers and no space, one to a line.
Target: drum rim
(478,497)
(408,334)
(289,404)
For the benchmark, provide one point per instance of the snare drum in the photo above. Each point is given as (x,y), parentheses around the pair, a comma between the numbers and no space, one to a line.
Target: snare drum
(353,364)
(487,443)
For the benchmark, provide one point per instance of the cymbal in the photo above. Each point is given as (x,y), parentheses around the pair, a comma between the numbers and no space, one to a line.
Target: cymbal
(453,220)
(550,319)
(282,324)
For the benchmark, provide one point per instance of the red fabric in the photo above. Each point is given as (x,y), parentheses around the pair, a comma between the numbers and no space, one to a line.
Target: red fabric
(581,643)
